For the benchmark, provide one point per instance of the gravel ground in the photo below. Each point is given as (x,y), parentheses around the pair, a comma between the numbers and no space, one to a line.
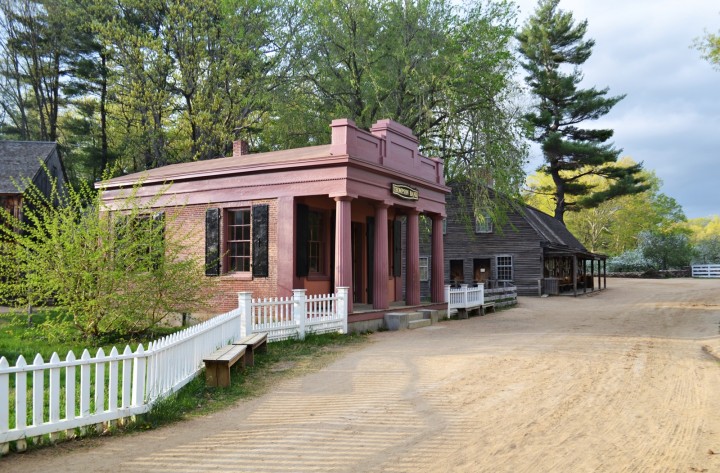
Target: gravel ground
(625,380)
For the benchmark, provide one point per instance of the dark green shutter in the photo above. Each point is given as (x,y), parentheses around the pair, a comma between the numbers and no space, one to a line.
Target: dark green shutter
(397,248)
(260,215)
(212,242)
(302,234)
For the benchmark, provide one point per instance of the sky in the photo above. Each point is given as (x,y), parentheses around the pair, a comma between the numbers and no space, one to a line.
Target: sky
(670,118)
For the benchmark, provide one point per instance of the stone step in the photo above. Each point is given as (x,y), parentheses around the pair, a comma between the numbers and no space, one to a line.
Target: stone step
(396,321)
(419,323)
(431,314)
(412,316)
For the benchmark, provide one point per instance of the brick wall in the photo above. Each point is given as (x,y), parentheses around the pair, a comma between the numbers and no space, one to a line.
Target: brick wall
(189,223)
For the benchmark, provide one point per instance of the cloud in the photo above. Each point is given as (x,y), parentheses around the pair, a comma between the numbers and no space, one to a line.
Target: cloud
(671,113)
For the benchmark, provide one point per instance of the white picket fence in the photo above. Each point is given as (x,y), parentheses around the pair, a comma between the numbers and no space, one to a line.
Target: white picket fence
(294,316)
(98,390)
(472,297)
(464,297)
(706,270)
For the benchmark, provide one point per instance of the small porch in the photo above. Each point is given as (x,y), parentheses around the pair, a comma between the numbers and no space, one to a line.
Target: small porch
(571,272)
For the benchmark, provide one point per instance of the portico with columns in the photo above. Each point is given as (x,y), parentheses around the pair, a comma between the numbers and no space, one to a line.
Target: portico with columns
(388,184)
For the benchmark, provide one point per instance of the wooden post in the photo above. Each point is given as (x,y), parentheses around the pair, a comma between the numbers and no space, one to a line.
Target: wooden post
(342,306)
(574,270)
(437,278)
(605,273)
(299,313)
(412,272)
(138,387)
(380,261)
(343,245)
(246,315)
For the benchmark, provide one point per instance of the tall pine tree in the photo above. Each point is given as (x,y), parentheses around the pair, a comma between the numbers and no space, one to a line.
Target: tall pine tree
(554,47)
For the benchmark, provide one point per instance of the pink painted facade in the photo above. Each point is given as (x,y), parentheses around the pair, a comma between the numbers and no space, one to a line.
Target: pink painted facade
(333,214)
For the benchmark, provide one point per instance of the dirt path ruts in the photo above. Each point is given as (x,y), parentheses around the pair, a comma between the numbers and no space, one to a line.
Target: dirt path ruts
(613,382)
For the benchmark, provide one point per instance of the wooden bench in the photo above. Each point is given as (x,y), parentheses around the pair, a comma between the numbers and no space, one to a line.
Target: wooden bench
(219,362)
(255,342)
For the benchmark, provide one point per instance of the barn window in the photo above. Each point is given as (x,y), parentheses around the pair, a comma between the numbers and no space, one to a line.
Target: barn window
(504,268)
(483,223)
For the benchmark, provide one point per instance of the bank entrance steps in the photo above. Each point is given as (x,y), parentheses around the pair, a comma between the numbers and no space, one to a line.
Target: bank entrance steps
(411,320)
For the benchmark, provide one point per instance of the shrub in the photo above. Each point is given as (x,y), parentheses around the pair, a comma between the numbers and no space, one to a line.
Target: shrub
(115,272)
(629,261)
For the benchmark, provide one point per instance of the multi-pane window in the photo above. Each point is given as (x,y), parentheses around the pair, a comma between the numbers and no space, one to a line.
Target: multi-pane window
(238,242)
(316,244)
(483,224)
(504,268)
(424,268)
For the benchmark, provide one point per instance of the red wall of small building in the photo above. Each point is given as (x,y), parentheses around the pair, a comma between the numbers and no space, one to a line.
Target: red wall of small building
(190,220)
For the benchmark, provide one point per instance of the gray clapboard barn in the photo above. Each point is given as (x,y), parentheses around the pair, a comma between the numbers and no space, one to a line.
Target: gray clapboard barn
(21,162)
(532,251)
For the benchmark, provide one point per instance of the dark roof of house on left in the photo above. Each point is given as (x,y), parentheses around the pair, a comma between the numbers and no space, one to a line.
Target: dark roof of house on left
(21,161)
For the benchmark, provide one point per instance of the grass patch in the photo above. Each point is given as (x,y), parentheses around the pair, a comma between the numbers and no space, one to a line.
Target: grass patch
(17,337)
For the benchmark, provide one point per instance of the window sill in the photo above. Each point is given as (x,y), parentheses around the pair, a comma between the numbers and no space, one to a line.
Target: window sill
(236,277)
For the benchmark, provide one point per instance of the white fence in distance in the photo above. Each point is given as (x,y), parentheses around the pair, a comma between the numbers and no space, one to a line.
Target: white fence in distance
(101,389)
(472,297)
(464,297)
(706,270)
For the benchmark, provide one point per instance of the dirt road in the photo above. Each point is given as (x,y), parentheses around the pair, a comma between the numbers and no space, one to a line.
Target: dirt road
(614,382)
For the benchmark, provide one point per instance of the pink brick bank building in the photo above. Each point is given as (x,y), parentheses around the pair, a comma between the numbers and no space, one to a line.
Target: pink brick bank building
(321,217)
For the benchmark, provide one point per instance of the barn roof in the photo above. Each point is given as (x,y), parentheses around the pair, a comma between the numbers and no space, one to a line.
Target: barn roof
(21,159)
(555,237)
(551,230)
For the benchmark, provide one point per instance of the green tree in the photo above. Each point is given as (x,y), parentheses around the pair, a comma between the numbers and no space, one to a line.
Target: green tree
(705,236)
(554,47)
(115,272)
(36,48)
(707,250)
(442,70)
(666,250)
(191,75)
(709,47)
(613,226)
